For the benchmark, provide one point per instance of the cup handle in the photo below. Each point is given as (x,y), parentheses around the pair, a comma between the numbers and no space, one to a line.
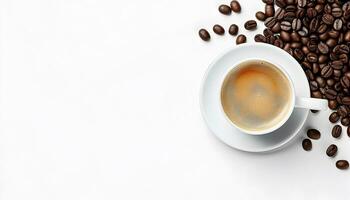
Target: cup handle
(311,103)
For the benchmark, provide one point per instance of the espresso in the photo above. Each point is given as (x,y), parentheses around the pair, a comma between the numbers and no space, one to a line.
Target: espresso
(256,95)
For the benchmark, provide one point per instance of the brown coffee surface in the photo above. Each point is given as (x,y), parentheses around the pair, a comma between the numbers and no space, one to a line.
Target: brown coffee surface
(256,95)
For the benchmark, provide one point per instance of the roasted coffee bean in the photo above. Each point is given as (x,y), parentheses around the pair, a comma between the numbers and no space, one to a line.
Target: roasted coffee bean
(330,82)
(327,9)
(289,16)
(332,150)
(269,10)
(322,28)
(285,36)
(280,3)
(260,38)
(298,54)
(286,26)
(347,36)
(269,2)
(313,134)
(343,58)
(315,68)
(270,22)
(276,28)
(306,65)
(313,85)
(322,59)
(314,25)
(345,82)
(311,12)
(302,3)
(340,49)
(235,6)
(290,8)
(342,164)
(296,24)
(278,43)
(250,25)
(346,100)
(241,39)
(303,31)
(336,131)
(307,145)
(331,94)
(327,19)
(324,36)
(279,14)
(332,104)
(218,29)
(290,2)
(337,12)
(326,71)
(337,64)
(224,9)
(338,24)
(345,121)
(343,110)
(233,30)
(204,34)
(267,32)
(320,81)
(333,34)
(334,117)
(316,94)
(331,42)
(311,57)
(260,16)
(323,48)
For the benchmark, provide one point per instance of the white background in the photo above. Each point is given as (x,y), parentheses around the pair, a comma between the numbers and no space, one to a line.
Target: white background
(99,100)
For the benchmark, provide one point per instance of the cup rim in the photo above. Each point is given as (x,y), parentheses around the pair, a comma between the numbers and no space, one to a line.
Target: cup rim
(281,122)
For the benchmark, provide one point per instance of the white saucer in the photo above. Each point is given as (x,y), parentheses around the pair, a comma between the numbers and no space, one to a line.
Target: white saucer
(210,103)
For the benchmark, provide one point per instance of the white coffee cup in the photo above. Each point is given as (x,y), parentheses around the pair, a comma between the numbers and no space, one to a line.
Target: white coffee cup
(294,102)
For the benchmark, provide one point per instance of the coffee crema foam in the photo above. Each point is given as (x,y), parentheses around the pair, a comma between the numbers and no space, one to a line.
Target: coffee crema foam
(256,95)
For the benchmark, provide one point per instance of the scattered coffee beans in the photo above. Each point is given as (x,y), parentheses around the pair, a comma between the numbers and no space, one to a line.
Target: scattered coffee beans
(342,164)
(241,39)
(218,29)
(332,150)
(313,134)
(225,9)
(250,25)
(336,131)
(307,145)
(233,30)
(235,6)
(204,34)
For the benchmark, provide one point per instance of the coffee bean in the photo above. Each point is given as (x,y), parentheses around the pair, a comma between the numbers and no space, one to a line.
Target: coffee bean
(241,39)
(342,164)
(333,34)
(224,9)
(276,28)
(290,2)
(343,110)
(289,16)
(331,42)
(313,85)
(303,32)
(323,48)
(327,19)
(269,10)
(269,2)
(233,30)
(345,121)
(336,131)
(347,36)
(260,16)
(235,6)
(311,57)
(259,38)
(338,24)
(332,104)
(204,34)
(320,81)
(298,54)
(316,94)
(307,145)
(279,14)
(218,29)
(285,36)
(322,28)
(337,64)
(278,43)
(280,3)
(326,71)
(330,82)
(295,37)
(286,26)
(346,100)
(313,134)
(334,117)
(290,8)
(337,12)
(270,22)
(314,24)
(345,82)
(332,150)
(302,3)
(311,13)
(296,24)
(250,25)
(343,58)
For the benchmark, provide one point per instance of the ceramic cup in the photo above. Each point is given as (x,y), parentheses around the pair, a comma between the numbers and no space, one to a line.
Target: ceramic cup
(294,101)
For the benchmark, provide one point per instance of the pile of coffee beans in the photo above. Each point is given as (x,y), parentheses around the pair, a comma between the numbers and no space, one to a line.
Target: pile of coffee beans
(233,29)
(317,34)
